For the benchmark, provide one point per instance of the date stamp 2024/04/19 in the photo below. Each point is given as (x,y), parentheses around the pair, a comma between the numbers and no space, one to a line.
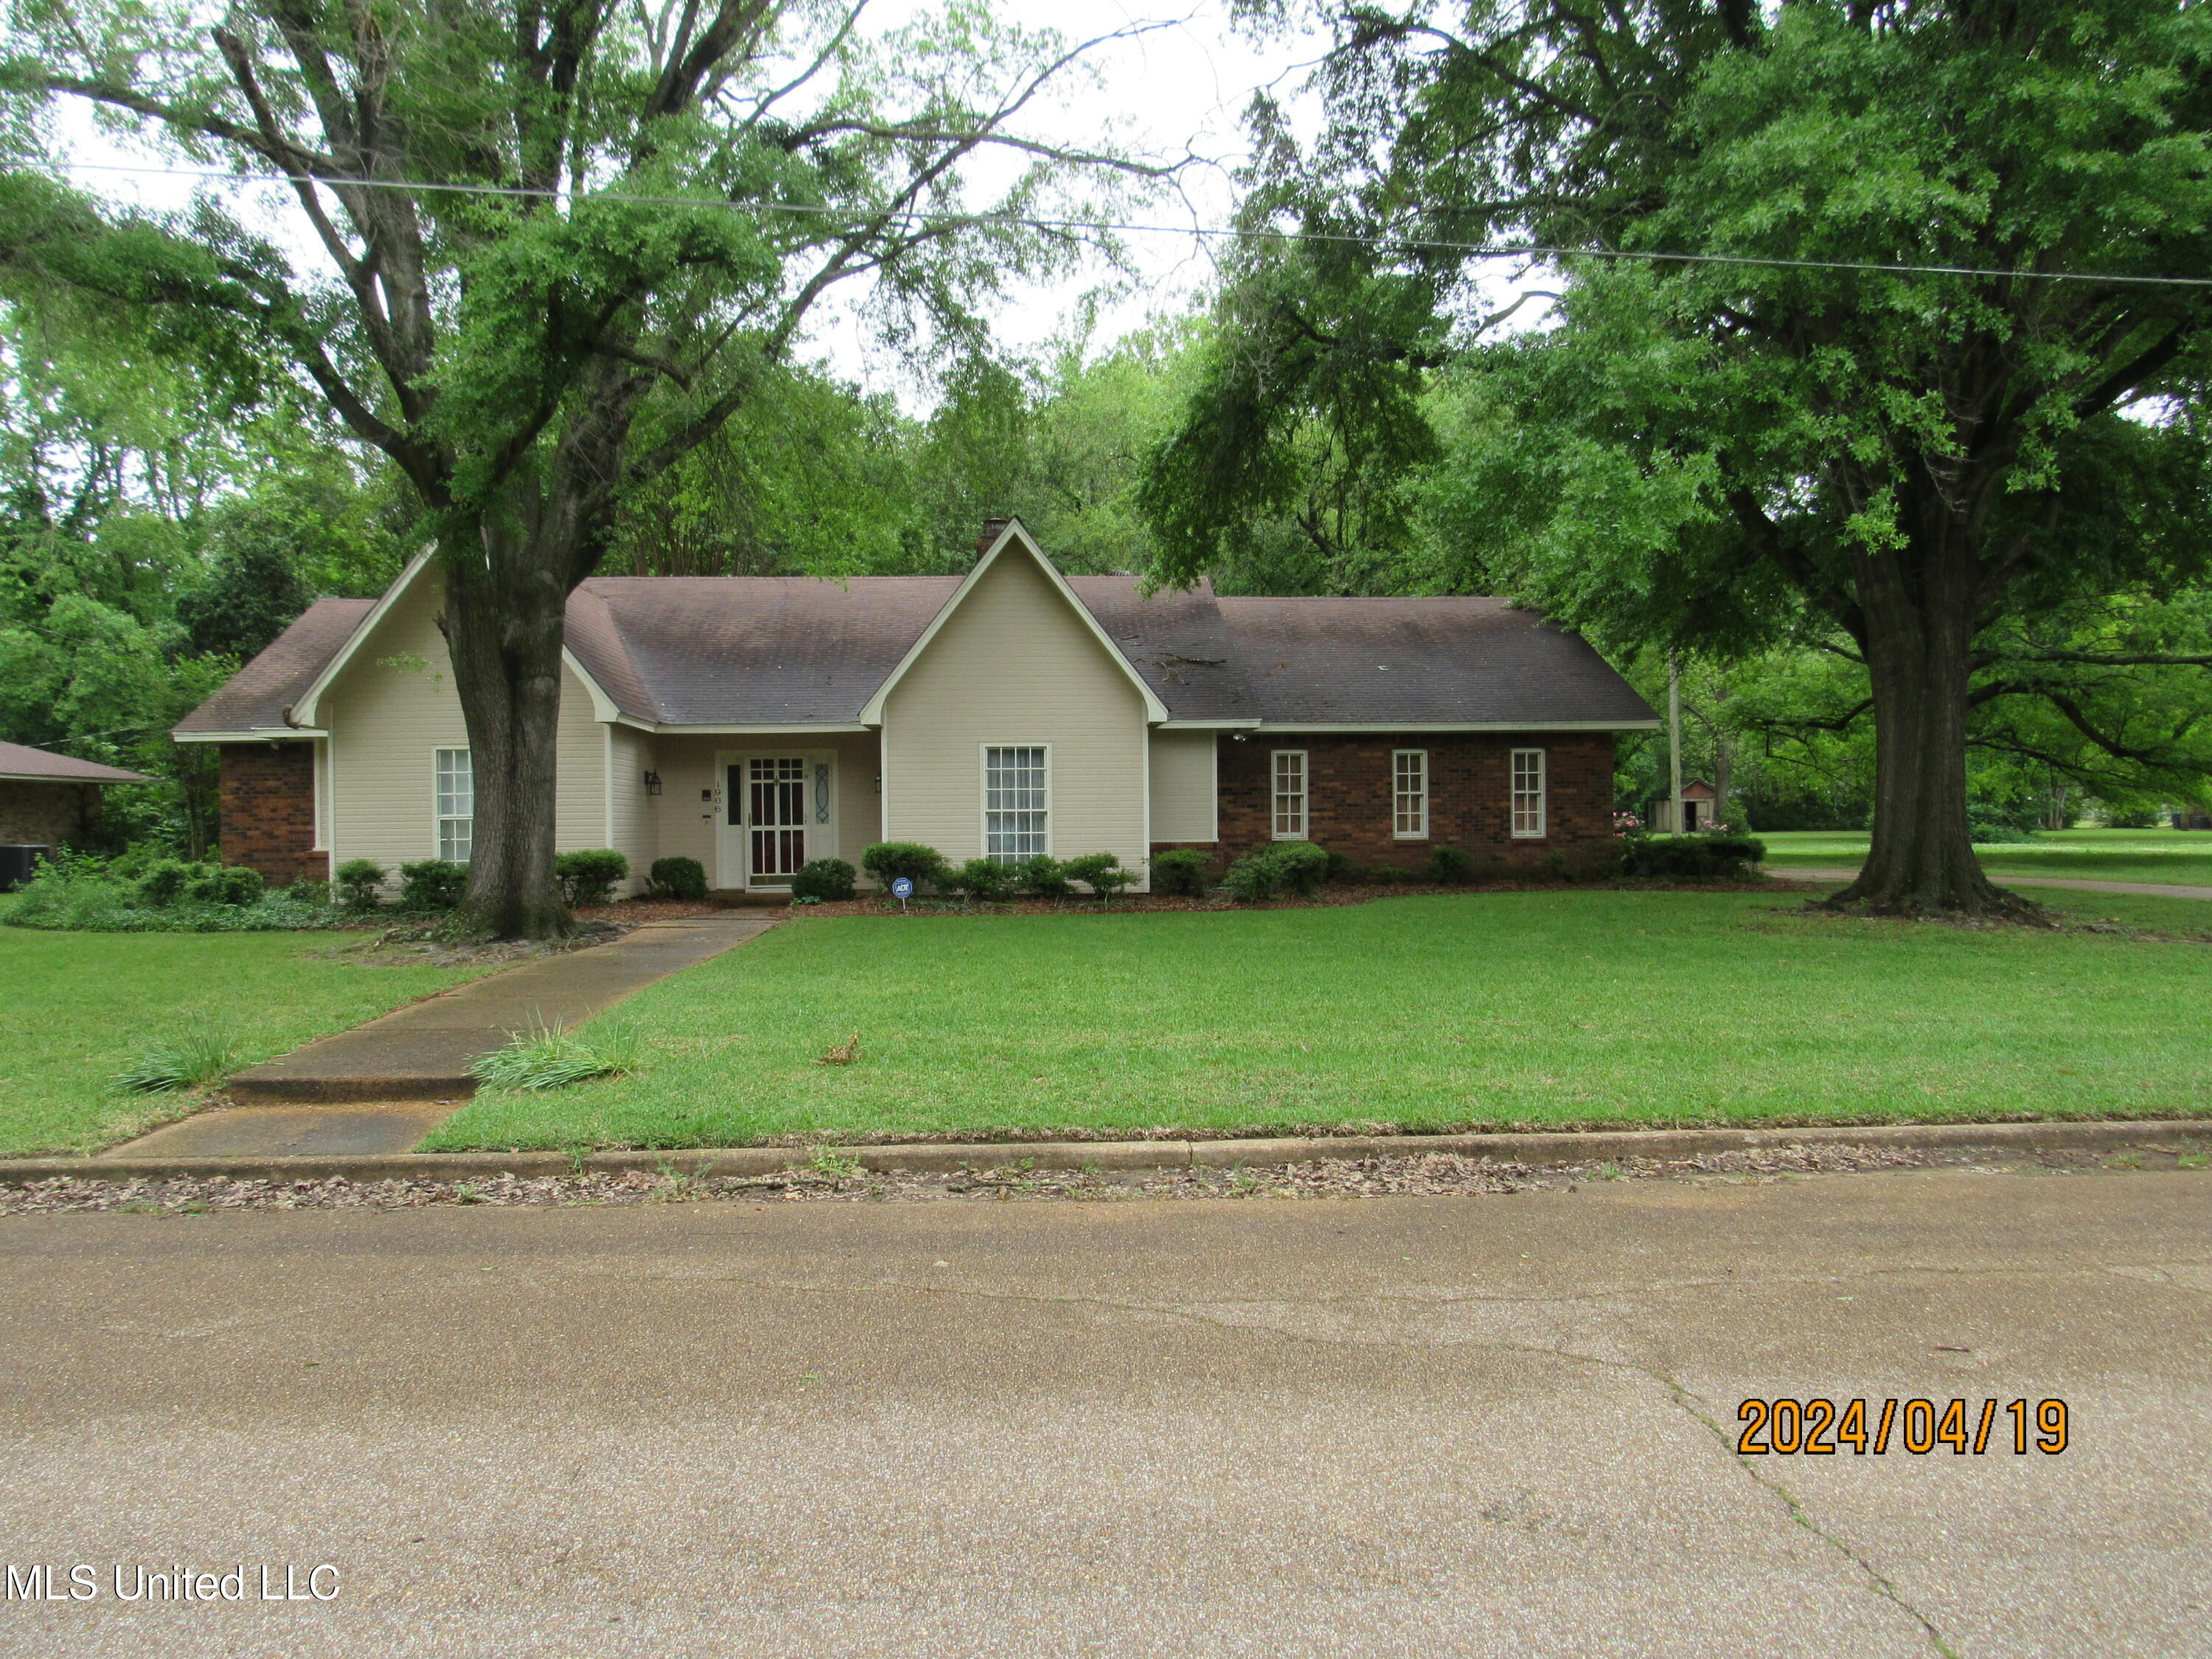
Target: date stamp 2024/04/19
(1817,1428)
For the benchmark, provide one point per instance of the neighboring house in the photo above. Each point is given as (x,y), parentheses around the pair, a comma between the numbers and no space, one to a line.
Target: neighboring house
(754,723)
(51,800)
(1697,810)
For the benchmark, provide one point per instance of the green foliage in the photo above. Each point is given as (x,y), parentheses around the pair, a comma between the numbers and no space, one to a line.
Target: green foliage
(253,593)
(1101,872)
(202,1054)
(887,860)
(588,875)
(432,884)
(1292,868)
(227,884)
(166,881)
(1043,875)
(359,883)
(554,1057)
(678,879)
(1182,872)
(1255,877)
(979,880)
(822,880)
(1448,867)
(1689,857)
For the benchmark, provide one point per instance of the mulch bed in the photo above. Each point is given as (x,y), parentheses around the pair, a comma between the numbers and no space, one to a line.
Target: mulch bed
(1422,1175)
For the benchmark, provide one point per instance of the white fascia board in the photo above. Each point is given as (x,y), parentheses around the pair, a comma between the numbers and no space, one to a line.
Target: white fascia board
(784,729)
(1208,726)
(259,734)
(602,706)
(1324,727)
(873,713)
(305,710)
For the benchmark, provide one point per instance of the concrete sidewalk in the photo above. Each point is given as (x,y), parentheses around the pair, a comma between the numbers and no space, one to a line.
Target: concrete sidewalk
(2005,878)
(422,1052)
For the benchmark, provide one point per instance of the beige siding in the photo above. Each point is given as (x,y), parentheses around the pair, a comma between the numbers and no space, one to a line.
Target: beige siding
(393,705)
(687,826)
(1185,793)
(631,755)
(1014,664)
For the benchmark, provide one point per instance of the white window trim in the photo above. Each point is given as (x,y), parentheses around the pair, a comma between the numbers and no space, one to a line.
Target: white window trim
(1543,793)
(438,819)
(1421,833)
(1304,831)
(983,791)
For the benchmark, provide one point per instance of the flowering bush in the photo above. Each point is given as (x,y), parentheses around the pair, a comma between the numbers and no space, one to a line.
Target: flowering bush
(1627,823)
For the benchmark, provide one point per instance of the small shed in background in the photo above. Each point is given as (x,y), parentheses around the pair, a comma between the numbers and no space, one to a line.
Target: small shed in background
(47,800)
(1695,813)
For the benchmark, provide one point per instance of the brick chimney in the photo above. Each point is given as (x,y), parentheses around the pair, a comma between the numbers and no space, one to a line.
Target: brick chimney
(993,529)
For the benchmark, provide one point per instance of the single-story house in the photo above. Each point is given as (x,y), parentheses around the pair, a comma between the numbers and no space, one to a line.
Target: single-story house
(755,723)
(49,800)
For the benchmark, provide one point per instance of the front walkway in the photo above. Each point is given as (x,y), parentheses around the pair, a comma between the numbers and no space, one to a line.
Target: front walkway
(2005,878)
(414,1064)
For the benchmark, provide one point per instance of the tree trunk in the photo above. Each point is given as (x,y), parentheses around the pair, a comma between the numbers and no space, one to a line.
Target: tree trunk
(1919,626)
(504,622)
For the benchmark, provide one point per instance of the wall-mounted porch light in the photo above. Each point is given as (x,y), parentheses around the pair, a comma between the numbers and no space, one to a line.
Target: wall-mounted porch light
(652,783)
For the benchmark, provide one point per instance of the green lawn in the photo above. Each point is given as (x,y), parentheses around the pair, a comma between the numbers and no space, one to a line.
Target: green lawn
(1550,1008)
(78,1005)
(2179,856)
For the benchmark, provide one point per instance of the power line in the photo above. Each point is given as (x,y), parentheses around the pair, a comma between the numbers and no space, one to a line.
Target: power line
(1470,250)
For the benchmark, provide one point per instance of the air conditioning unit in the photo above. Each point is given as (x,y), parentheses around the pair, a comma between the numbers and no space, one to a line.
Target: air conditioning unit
(17,864)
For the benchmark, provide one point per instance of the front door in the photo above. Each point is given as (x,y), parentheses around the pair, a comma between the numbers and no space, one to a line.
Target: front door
(771,792)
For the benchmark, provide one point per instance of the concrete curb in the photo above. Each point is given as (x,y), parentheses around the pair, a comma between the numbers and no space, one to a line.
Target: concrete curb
(1567,1147)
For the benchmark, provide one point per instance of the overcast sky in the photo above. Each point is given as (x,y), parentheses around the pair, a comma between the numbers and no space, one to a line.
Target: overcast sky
(1180,89)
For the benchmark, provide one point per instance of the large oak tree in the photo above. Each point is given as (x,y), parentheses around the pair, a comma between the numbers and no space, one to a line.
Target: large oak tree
(1757,438)
(540,251)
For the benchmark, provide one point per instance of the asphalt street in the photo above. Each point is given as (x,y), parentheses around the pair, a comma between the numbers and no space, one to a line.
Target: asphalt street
(1496,1425)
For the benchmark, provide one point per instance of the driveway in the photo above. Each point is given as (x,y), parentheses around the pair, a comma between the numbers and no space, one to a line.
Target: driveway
(1495,1424)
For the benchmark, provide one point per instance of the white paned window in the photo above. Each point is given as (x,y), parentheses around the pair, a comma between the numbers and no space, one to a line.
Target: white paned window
(1016,808)
(1409,794)
(457,805)
(1528,793)
(1290,794)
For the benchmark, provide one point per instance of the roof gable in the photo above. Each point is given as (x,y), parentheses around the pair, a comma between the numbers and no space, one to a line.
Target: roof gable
(1015,537)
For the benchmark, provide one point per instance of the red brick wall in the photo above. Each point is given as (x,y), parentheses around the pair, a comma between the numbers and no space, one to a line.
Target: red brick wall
(1348,795)
(268,810)
(45,814)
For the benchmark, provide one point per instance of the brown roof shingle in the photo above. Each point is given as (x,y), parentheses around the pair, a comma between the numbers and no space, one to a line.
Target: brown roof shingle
(255,698)
(20,763)
(794,651)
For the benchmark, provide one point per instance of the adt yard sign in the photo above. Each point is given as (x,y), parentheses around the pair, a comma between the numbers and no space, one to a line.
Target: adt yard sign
(901,887)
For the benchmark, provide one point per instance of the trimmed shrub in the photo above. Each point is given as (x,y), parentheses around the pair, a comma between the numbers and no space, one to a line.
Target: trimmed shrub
(1386,875)
(1101,872)
(822,880)
(887,860)
(1304,866)
(1555,865)
(432,884)
(1448,867)
(1984,832)
(1691,857)
(1181,871)
(1044,876)
(1255,877)
(359,883)
(588,877)
(980,879)
(166,881)
(679,879)
(1343,868)
(227,884)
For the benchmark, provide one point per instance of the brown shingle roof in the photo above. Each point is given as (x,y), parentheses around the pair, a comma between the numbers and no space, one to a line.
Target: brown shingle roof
(1444,660)
(794,651)
(20,763)
(255,698)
